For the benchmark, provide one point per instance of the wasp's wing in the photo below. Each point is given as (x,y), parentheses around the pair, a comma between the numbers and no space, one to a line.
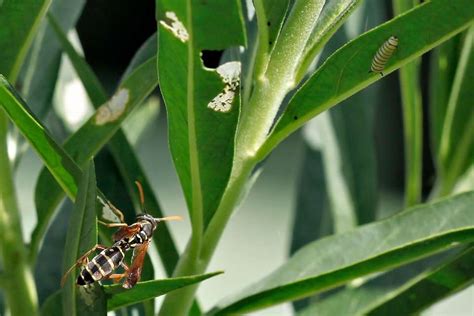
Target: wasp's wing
(135,270)
(127,231)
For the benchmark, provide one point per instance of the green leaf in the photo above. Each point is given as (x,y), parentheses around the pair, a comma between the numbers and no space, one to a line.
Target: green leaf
(61,166)
(347,70)
(431,286)
(312,216)
(443,64)
(148,50)
(274,15)
(118,297)
(321,134)
(81,237)
(457,139)
(53,305)
(18,25)
(270,17)
(200,137)
(371,248)
(358,299)
(94,90)
(334,14)
(39,74)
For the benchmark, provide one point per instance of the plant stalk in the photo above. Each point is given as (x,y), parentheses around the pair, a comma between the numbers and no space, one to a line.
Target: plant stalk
(412,119)
(19,286)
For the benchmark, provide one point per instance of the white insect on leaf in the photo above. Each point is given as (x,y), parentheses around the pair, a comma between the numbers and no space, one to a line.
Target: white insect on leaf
(175,26)
(230,74)
(112,109)
(107,212)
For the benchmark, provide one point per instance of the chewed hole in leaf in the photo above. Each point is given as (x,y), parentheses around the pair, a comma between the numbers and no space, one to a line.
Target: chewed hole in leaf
(172,23)
(211,58)
(230,75)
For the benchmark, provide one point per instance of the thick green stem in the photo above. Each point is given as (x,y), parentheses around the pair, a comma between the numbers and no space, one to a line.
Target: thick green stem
(19,286)
(412,119)
(179,302)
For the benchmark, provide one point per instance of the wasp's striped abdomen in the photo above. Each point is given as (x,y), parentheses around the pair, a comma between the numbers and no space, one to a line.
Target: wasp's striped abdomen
(383,54)
(101,265)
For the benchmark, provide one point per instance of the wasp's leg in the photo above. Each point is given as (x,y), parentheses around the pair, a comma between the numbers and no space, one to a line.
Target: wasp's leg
(116,277)
(81,261)
(124,266)
(116,212)
(112,224)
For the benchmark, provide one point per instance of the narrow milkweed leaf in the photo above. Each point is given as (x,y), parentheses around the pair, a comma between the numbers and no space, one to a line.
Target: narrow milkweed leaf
(347,70)
(40,72)
(358,299)
(432,286)
(456,149)
(119,297)
(443,63)
(61,165)
(374,247)
(81,237)
(53,305)
(334,14)
(19,22)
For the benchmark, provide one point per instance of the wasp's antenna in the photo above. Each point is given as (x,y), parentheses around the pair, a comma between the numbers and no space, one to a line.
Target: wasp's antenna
(142,196)
(170,218)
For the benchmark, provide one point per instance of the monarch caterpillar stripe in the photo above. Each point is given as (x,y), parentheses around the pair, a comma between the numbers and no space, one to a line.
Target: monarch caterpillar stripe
(383,54)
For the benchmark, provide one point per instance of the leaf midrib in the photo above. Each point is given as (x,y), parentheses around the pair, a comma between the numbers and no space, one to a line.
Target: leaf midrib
(196,192)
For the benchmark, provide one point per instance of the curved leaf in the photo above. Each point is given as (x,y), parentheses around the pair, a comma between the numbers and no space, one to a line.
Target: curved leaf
(347,70)
(371,248)
(334,14)
(39,74)
(81,237)
(61,166)
(270,16)
(323,130)
(118,297)
(358,299)
(443,63)
(18,24)
(53,305)
(431,286)
(457,140)
(148,50)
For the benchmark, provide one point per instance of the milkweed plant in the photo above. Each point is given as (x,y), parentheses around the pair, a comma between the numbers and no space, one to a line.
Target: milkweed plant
(306,68)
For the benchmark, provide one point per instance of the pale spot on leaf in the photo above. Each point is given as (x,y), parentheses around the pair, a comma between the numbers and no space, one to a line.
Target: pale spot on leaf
(175,26)
(107,212)
(112,109)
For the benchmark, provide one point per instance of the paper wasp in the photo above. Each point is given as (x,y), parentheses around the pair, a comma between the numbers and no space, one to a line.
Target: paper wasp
(136,236)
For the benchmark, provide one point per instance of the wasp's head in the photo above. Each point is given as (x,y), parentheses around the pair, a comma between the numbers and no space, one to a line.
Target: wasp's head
(148,218)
